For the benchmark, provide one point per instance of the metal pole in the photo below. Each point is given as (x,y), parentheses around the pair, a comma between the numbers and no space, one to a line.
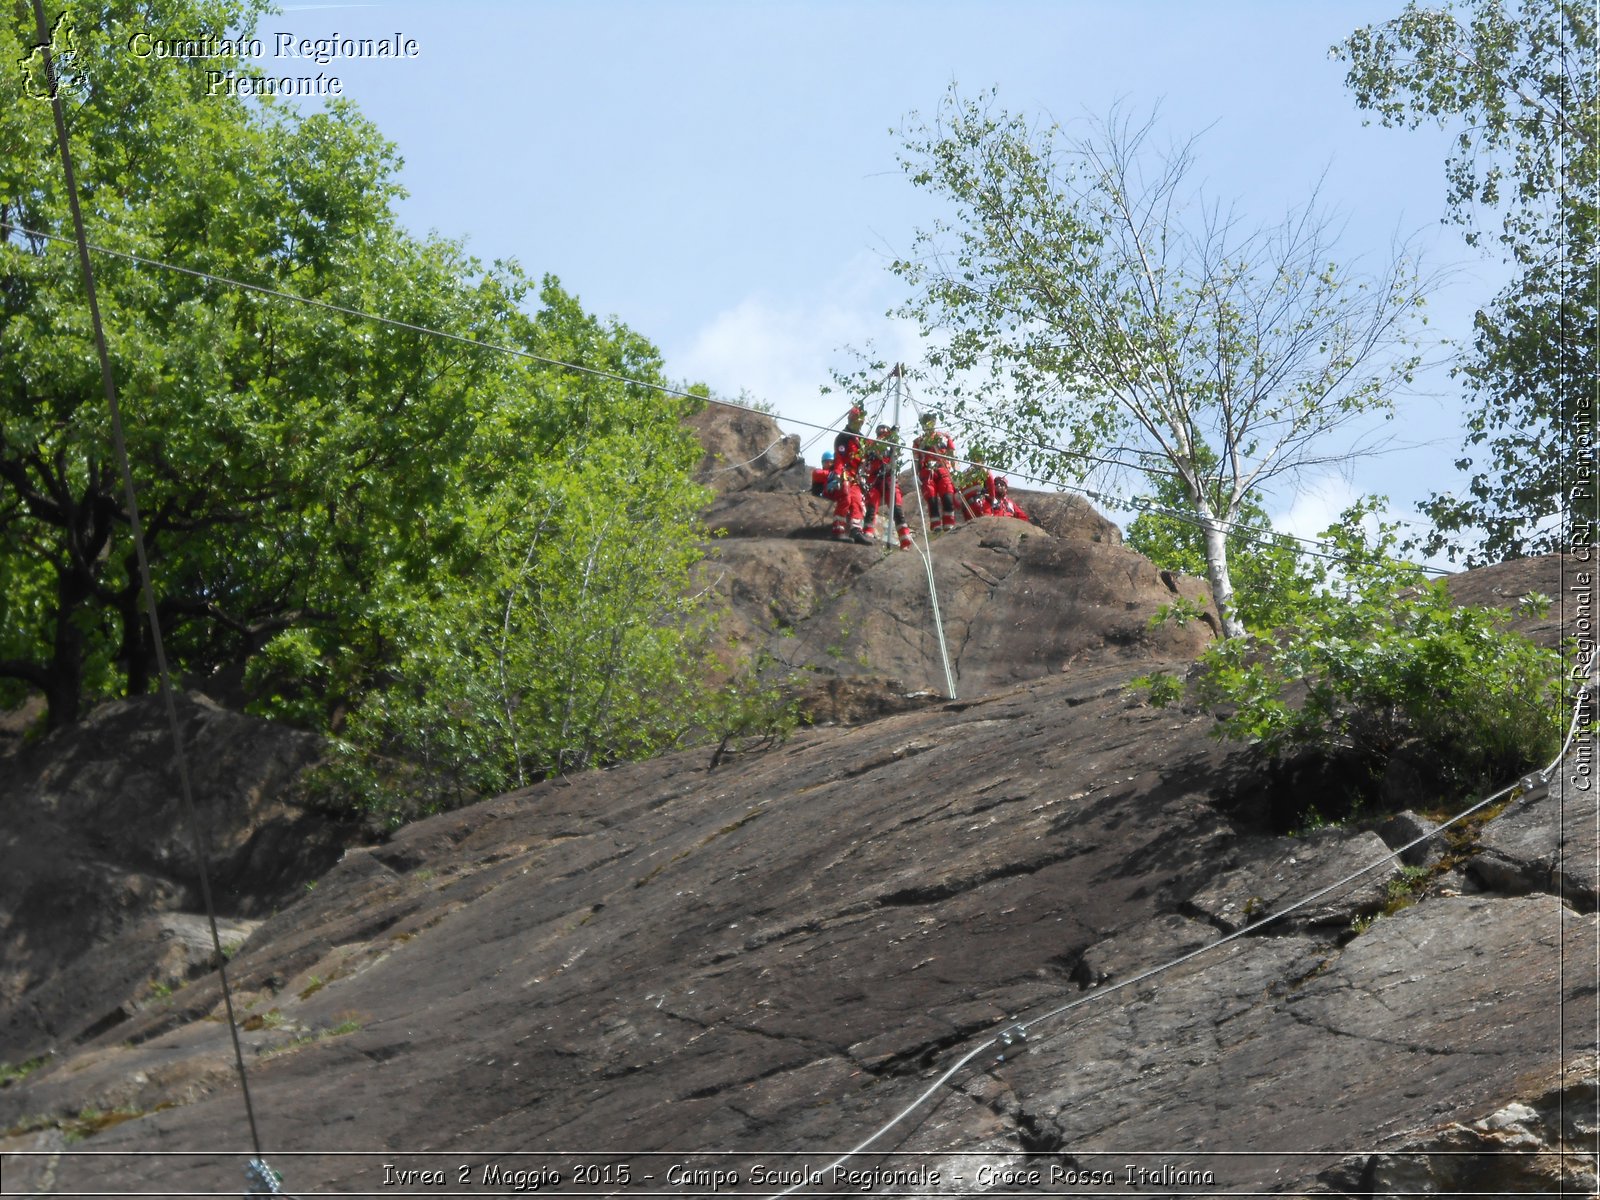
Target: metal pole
(927,559)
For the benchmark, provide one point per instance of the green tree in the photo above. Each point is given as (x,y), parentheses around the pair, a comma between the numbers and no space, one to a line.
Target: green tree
(1271,581)
(242,414)
(1379,664)
(1517,79)
(572,637)
(446,551)
(1081,294)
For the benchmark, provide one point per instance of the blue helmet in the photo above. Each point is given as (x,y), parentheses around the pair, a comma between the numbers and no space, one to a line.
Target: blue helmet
(827,457)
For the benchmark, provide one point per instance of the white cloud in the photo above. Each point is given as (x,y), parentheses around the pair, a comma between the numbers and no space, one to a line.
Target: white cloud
(1316,505)
(781,352)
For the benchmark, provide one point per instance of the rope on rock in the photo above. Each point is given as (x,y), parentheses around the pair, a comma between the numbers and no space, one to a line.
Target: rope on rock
(924,550)
(136,528)
(1014,1034)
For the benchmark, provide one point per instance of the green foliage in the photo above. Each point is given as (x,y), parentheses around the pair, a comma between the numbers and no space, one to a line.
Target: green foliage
(1380,662)
(286,457)
(288,680)
(90,1120)
(1404,889)
(1312,821)
(754,712)
(1161,688)
(474,567)
(1270,580)
(16,1072)
(1083,298)
(311,1037)
(1532,367)
(1180,612)
(571,641)
(1517,80)
(1516,75)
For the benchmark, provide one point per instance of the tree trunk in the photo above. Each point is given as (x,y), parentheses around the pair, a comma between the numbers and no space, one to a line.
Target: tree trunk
(1217,573)
(63,682)
(137,651)
(1215,530)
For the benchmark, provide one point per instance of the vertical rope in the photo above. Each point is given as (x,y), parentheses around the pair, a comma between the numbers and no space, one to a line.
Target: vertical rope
(147,591)
(926,550)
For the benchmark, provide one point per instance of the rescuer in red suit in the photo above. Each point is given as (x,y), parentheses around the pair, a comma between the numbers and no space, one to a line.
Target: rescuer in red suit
(849,453)
(1004,505)
(933,455)
(976,489)
(819,475)
(877,479)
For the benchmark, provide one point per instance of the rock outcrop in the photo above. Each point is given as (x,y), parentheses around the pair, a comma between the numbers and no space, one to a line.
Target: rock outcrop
(1014,600)
(100,908)
(671,969)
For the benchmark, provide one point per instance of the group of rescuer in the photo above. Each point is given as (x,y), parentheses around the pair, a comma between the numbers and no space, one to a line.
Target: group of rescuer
(859,477)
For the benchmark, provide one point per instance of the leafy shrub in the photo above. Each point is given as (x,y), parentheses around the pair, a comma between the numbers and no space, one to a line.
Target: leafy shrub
(288,680)
(1377,663)
(752,711)
(1271,578)
(1180,612)
(1161,689)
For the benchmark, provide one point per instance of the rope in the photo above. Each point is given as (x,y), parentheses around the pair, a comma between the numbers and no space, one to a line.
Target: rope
(258,1171)
(925,550)
(756,458)
(261,1177)
(1247,532)
(1111,501)
(1015,1032)
(147,589)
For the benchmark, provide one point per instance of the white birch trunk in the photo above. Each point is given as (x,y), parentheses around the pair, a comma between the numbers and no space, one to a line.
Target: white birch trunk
(1217,574)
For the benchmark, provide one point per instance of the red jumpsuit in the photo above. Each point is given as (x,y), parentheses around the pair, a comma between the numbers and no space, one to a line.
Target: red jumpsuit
(933,455)
(977,492)
(876,481)
(849,508)
(1003,505)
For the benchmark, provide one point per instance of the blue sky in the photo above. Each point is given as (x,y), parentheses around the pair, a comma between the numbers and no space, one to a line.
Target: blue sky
(721,176)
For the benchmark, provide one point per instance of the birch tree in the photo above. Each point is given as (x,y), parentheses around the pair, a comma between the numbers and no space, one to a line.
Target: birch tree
(1081,294)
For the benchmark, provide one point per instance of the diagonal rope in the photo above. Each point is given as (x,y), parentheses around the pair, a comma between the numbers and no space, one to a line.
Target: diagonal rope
(925,549)
(1016,1033)
(130,493)
(1248,533)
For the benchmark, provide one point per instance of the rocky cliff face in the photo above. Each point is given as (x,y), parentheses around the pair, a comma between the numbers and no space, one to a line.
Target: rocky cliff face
(1017,601)
(680,970)
(99,892)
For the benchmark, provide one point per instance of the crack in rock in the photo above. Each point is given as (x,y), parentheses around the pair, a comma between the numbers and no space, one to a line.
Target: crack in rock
(934,893)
